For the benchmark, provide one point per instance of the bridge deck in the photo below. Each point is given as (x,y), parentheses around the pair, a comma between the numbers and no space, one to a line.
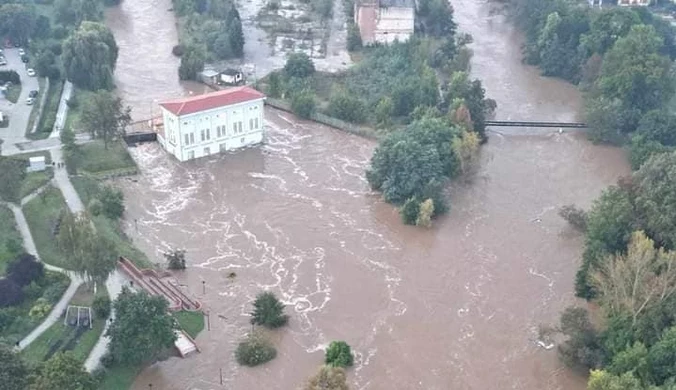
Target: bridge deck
(577,125)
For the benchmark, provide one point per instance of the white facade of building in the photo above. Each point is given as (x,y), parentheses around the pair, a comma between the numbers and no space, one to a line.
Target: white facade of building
(212,123)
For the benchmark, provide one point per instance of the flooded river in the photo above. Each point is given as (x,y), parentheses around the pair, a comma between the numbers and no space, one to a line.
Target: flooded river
(453,307)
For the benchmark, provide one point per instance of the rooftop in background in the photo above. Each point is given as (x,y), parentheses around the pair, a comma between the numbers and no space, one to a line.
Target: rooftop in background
(397,3)
(226,97)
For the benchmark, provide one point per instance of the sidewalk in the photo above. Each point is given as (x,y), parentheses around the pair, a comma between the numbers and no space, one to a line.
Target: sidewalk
(75,281)
(63,182)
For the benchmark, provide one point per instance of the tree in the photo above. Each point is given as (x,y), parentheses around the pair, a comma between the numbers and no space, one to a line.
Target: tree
(437,18)
(25,269)
(13,371)
(17,22)
(74,12)
(384,112)
(86,251)
(103,116)
(473,94)
(192,62)
(274,85)
(254,350)
(635,73)
(642,148)
(63,371)
(175,259)
(409,211)
(12,173)
(140,320)
(466,148)
(46,66)
(581,350)
(303,103)
(662,357)
(575,216)
(633,358)
(425,213)
(656,200)
(636,281)
(339,354)
(235,33)
(112,201)
(10,293)
(268,311)
(328,378)
(299,65)
(602,380)
(353,37)
(89,56)
(347,107)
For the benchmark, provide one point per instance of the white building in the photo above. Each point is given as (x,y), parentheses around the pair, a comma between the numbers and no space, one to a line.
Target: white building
(384,21)
(633,2)
(207,124)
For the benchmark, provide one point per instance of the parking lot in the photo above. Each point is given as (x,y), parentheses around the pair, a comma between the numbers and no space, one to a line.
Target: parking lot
(20,112)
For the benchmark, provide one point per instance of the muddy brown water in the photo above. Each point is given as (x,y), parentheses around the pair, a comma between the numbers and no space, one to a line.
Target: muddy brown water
(453,307)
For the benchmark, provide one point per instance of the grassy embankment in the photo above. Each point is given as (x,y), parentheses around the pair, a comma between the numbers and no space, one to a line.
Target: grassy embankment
(36,107)
(48,117)
(60,337)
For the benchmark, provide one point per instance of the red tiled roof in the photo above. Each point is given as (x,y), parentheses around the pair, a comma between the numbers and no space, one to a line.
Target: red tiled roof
(226,97)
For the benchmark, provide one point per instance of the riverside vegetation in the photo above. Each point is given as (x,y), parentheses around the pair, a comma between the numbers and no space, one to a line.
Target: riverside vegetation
(430,114)
(622,59)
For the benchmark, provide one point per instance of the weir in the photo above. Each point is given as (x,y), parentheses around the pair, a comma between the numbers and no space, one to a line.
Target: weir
(573,125)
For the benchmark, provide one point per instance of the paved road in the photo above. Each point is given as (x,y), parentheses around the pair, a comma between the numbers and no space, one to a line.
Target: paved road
(19,112)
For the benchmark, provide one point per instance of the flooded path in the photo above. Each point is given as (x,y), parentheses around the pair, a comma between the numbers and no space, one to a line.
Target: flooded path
(423,309)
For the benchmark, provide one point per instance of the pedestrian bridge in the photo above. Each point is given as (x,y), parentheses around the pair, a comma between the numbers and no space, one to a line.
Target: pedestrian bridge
(569,125)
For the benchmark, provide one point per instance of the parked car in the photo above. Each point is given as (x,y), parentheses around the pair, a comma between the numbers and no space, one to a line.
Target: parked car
(30,72)
(30,101)
(25,59)
(3,61)
(33,93)
(22,52)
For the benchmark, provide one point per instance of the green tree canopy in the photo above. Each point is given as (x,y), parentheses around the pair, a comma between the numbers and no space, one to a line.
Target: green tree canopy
(62,371)
(13,371)
(192,62)
(328,378)
(656,200)
(142,328)
(17,22)
(89,57)
(103,116)
(268,311)
(299,65)
(339,354)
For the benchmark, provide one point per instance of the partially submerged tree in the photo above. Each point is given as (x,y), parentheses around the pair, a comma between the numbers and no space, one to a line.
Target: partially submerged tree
(175,259)
(255,350)
(339,354)
(268,311)
(328,378)
(575,216)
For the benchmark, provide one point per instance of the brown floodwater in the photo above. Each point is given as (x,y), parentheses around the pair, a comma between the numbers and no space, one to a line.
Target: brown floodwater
(454,307)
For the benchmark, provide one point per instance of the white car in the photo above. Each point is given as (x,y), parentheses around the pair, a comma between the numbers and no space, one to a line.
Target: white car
(30,101)
(31,72)
(22,52)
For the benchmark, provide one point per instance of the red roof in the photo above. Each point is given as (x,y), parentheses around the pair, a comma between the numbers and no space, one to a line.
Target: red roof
(208,101)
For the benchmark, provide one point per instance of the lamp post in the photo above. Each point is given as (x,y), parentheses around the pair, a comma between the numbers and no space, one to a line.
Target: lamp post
(204,287)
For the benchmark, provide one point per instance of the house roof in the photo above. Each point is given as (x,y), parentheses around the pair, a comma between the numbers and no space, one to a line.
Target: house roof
(209,73)
(208,101)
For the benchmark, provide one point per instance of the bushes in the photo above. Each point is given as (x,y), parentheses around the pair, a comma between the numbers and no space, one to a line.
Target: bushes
(40,309)
(178,50)
(10,293)
(112,202)
(268,311)
(347,107)
(101,306)
(175,259)
(192,62)
(25,269)
(575,216)
(254,350)
(353,37)
(339,354)
(299,65)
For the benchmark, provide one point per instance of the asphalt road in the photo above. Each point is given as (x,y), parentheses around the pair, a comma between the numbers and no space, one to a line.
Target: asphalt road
(19,112)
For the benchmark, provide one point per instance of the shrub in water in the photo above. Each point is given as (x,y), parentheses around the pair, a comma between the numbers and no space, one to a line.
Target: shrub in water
(339,354)
(254,350)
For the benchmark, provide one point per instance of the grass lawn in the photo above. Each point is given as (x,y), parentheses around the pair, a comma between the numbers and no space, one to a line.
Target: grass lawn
(35,109)
(60,337)
(51,287)
(88,188)
(192,322)
(8,234)
(95,158)
(119,377)
(13,93)
(42,214)
(35,180)
(48,117)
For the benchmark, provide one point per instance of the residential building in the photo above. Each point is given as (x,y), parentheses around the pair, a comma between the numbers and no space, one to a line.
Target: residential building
(203,125)
(384,21)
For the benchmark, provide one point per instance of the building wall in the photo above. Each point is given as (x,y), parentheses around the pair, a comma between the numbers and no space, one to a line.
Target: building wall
(395,23)
(213,131)
(365,17)
(633,2)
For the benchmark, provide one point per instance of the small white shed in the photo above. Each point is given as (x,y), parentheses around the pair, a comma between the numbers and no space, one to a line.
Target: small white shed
(36,164)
